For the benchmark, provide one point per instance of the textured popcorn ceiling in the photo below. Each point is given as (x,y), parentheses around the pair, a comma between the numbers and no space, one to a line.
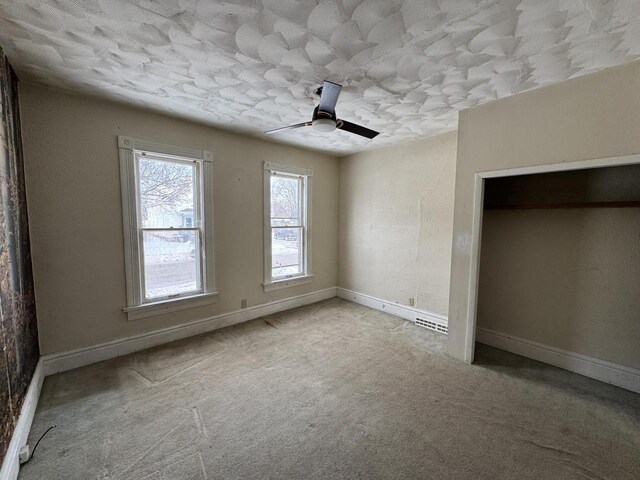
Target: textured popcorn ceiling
(407,67)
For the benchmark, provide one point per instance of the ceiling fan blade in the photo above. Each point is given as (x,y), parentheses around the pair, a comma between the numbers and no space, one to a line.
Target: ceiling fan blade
(357,129)
(290,127)
(329,97)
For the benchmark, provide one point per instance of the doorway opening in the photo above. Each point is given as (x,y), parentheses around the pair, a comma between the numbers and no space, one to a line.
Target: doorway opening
(557,266)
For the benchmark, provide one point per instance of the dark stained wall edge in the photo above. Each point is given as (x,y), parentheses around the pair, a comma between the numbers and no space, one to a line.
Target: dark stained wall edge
(18,326)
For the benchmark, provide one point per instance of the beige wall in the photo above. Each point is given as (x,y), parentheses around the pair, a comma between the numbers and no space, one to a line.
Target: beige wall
(395,224)
(73,188)
(592,117)
(569,279)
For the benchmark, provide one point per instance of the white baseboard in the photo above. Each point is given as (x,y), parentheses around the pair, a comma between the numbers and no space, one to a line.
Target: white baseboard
(11,462)
(403,311)
(615,374)
(63,361)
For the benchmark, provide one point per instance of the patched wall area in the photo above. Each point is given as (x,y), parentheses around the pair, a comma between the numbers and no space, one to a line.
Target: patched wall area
(396,220)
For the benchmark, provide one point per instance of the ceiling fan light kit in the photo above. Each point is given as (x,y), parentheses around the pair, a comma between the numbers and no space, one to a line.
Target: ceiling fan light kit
(324,125)
(324,119)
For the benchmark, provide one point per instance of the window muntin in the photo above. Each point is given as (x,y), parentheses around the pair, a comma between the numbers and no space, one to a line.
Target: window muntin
(168,193)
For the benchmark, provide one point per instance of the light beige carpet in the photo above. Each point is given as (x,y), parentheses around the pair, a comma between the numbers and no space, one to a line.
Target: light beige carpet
(333,391)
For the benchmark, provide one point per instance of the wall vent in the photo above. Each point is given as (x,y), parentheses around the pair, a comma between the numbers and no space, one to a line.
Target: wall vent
(436,327)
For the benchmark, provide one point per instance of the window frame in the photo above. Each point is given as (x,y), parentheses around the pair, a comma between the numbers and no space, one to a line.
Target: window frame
(305,276)
(137,304)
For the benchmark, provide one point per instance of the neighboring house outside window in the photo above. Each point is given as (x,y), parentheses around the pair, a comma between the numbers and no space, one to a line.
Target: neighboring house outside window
(168,225)
(287,218)
(187,217)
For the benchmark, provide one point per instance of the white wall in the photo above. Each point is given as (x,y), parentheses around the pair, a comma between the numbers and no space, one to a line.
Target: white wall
(591,117)
(73,187)
(396,219)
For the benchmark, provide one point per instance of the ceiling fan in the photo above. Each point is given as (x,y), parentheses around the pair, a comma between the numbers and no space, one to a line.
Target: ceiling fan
(324,115)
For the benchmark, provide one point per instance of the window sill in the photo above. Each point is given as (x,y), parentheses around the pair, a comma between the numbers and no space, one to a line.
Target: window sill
(167,306)
(287,282)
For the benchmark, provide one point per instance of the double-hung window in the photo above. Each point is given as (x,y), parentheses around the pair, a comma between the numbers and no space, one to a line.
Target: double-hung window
(168,227)
(287,236)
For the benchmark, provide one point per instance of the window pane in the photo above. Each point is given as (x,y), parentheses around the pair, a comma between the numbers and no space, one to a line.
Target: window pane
(286,252)
(285,200)
(166,193)
(171,263)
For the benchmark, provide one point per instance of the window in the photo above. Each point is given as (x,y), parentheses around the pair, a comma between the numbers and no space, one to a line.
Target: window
(168,225)
(287,236)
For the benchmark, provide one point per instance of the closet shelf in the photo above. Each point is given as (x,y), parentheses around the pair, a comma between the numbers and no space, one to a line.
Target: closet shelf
(540,206)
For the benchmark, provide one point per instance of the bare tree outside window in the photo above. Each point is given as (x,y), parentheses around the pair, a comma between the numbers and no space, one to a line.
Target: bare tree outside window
(164,187)
(285,197)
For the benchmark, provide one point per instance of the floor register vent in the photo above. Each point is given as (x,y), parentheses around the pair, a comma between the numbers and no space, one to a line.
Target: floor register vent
(436,327)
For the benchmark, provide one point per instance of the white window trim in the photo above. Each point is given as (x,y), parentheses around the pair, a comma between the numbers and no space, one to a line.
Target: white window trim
(136,308)
(269,284)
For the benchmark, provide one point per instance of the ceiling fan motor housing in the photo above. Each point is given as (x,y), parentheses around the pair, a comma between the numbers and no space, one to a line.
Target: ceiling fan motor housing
(320,114)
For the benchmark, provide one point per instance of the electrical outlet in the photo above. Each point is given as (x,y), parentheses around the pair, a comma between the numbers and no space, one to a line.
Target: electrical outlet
(411,302)
(243,303)
(23,456)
